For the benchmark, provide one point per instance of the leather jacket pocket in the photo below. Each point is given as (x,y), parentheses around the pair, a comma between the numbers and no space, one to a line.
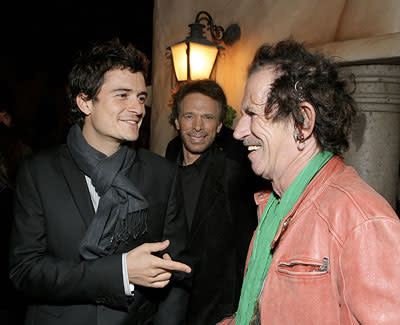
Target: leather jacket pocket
(304,267)
(308,290)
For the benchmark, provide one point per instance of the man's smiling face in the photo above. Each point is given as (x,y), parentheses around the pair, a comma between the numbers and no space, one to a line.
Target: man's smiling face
(265,138)
(198,123)
(116,113)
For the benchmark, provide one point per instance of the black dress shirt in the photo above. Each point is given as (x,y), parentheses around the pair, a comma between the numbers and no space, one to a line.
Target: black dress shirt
(192,177)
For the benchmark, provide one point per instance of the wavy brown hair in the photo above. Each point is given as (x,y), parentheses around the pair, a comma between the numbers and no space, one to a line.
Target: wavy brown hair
(87,74)
(314,78)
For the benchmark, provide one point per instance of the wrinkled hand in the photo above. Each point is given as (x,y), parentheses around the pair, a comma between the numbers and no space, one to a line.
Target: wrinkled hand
(148,270)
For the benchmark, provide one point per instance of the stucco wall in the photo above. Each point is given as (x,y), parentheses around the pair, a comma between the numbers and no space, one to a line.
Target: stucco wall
(351,30)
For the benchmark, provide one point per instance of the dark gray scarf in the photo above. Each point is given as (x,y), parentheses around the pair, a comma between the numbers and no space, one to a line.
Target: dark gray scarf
(122,211)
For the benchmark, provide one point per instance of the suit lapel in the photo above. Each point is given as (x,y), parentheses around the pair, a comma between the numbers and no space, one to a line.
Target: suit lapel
(211,189)
(77,186)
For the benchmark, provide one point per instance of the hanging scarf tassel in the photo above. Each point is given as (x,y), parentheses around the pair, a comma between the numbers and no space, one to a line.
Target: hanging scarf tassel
(134,225)
(138,222)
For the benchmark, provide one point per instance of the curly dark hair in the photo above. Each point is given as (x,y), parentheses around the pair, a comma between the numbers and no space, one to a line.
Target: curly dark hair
(314,78)
(87,74)
(207,87)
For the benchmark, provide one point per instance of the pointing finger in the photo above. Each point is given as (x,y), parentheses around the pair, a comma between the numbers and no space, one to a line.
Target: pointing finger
(158,246)
(174,266)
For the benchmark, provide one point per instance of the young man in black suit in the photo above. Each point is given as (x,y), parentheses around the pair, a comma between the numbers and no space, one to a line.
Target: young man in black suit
(97,223)
(219,206)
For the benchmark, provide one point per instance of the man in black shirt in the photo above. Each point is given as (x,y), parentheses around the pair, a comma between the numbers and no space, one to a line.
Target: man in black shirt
(218,202)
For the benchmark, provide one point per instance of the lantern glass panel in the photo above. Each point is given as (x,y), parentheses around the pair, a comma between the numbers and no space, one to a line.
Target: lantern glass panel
(202,58)
(180,60)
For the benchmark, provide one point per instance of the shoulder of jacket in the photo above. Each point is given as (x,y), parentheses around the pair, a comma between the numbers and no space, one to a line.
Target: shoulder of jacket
(154,159)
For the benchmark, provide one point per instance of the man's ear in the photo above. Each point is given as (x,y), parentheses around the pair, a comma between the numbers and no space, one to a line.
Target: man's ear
(177,126)
(83,103)
(308,114)
(219,127)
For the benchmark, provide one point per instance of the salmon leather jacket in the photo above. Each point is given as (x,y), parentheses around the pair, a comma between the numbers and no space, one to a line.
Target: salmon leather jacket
(336,255)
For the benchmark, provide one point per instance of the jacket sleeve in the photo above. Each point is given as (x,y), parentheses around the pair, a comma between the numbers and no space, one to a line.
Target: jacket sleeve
(46,278)
(369,266)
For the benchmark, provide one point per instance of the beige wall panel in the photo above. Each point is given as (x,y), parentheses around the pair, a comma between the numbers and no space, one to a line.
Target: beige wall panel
(374,49)
(366,18)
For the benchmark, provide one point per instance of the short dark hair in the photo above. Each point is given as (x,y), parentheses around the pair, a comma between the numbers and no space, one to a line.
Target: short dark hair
(206,87)
(87,74)
(314,78)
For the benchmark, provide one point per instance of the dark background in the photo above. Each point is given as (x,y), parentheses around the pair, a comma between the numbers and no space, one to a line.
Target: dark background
(39,43)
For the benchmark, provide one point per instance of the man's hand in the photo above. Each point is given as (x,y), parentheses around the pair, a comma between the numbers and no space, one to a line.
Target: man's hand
(148,270)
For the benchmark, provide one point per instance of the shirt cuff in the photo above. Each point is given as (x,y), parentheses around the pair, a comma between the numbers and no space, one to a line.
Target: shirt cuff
(129,288)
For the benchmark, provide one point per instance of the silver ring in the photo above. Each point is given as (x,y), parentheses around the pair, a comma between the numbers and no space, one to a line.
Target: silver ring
(295,86)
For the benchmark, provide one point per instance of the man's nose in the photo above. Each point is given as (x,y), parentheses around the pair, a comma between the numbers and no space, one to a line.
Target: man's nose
(198,123)
(242,128)
(135,106)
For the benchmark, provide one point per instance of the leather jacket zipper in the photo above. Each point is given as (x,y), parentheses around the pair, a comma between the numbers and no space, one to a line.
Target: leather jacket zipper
(305,266)
(325,264)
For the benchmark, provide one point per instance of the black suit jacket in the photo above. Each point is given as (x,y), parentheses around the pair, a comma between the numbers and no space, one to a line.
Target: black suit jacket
(220,234)
(52,213)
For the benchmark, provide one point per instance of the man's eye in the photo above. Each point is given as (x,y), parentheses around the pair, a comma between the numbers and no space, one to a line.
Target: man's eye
(142,99)
(188,116)
(250,114)
(123,95)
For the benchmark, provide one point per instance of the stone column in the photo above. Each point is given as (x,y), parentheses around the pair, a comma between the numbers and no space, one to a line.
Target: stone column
(375,140)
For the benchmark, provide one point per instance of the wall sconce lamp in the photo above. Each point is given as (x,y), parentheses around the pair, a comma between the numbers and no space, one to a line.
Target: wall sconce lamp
(194,57)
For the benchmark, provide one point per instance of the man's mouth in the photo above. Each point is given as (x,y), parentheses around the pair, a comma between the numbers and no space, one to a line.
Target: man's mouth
(130,121)
(197,139)
(133,119)
(253,148)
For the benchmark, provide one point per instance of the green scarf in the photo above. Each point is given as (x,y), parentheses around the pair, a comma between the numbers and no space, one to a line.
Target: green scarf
(272,217)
